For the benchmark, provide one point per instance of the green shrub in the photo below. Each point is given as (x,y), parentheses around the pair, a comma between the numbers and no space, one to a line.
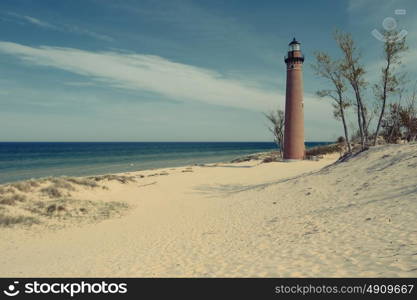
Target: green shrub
(322,150)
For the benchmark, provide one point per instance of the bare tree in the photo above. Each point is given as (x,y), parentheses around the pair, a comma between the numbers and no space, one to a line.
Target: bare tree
(391,124)
(332,71)
(277,120)
(354,72)
(390,81)
(408,117)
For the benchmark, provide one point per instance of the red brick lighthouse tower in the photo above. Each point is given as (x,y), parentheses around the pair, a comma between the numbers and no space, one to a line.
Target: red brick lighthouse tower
(294,104)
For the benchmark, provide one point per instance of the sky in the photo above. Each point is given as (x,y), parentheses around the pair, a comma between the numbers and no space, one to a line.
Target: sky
(180,70)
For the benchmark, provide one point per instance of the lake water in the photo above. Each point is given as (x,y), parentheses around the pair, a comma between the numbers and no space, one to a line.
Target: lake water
(25,160)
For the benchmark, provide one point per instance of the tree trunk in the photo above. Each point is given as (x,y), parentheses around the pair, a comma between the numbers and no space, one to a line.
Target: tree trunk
(361,118)
(379,121)
(364,125)
(358,112)
(384,100)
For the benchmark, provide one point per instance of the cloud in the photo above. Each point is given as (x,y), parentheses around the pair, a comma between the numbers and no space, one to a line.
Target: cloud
(80,83)
(149,73)
(82,31)
(39,22)
(64,27)
(34,21)
(173,81)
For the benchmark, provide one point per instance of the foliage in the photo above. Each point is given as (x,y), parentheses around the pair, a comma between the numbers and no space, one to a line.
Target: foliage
(277,120)
(390,82)
(332,71)
(354,72)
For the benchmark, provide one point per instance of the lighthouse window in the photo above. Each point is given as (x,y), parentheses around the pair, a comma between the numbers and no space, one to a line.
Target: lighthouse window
(294,47)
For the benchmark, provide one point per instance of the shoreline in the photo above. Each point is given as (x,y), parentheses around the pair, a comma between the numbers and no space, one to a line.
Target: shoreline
(234,160)
(24,161)
(262,157)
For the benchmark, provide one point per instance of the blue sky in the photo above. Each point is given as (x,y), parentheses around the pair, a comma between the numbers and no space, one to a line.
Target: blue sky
(108,70)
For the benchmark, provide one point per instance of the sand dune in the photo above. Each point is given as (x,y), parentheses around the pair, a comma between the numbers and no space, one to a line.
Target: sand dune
(247,219)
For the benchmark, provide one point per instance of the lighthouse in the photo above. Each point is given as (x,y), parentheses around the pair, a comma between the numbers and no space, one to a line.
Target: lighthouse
(294,104)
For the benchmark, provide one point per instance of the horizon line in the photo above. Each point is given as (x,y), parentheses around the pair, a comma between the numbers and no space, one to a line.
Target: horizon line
(315,141)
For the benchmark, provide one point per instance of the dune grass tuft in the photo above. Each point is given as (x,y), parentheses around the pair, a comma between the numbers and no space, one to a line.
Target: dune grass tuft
(121,178)
(63,184)
(22,204)
(12,199)
(7,189)
(25,186)
(88,182)
(68,208)
(52,192)
(9,221)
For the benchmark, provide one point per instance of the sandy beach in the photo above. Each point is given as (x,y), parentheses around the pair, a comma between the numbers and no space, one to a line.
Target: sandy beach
(250,219)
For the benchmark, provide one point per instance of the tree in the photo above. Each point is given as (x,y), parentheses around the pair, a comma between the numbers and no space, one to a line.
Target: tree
(391,125)
(389,81)
(332,71)
(277,120)
(354,72)
(408,117)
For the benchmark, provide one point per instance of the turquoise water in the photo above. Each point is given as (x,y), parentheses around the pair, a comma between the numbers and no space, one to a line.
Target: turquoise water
(25,160)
